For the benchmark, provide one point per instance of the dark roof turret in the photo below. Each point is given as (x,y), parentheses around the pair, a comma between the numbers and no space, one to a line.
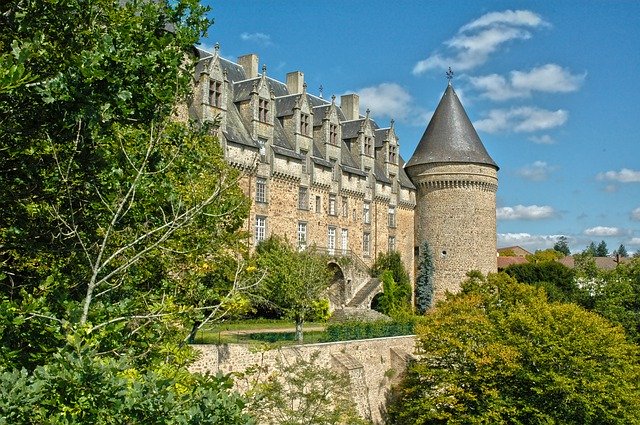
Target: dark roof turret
(450,136)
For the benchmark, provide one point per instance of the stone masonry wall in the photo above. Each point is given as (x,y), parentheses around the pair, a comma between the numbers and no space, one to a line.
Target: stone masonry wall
(373,365)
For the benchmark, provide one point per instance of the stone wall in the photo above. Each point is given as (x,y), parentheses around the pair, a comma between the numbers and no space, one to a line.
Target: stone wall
(373,365)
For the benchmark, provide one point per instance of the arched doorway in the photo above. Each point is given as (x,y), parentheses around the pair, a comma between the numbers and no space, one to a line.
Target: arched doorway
(337,287)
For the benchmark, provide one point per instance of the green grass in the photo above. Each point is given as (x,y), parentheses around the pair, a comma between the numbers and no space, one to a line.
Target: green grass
(270,332)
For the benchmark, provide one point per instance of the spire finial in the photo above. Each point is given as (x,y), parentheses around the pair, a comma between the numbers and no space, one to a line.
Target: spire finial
(368,112)
(216,47)
(333,98)
(392,122)
(320,89)
(264,68)
(449,74)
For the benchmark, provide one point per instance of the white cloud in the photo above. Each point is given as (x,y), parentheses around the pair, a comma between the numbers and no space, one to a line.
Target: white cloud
(545,139)
(522,212)
(602,231)
(549,78)
(521,120)
(623,176)
(538,171)
(635,214)
(527,241)
(634,241)
(393,101)
(477,40)
(257,37)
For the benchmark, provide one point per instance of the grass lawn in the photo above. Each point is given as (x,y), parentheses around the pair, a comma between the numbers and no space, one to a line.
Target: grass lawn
(258,332)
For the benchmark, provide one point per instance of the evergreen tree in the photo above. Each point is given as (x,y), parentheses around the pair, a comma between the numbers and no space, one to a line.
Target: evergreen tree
(562,246)
(602,250)
(424,282)
(591,249)
(622,251)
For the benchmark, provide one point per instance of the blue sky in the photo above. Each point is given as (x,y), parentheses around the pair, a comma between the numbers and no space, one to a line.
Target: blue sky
(553,89)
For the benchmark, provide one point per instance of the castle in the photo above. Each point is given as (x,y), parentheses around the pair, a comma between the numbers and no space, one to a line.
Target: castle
(322,174)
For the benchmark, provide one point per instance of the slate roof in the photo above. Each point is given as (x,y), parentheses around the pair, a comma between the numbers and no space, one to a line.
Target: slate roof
(381,135)
(242,89)
(235,130)
(403,178)
(350,129)
(450,136)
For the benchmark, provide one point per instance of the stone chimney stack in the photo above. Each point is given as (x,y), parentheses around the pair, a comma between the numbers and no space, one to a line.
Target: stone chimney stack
(350,105)
(250,64)
(295,82)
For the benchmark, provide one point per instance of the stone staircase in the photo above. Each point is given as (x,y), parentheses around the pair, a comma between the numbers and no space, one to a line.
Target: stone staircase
(362,299)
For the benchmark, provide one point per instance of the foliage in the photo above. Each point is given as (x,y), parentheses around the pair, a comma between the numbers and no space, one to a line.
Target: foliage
(557,279)
(544,256)
(507,253)
(591,249)
(302,392)
(399,283)
(81,387)
(117,217)
(352,330)
(424,281)
(562,246)
(499,352)
(295,282)
(618,298)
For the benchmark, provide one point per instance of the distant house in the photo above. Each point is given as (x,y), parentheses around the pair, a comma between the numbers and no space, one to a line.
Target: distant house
(603,263)
(511,255)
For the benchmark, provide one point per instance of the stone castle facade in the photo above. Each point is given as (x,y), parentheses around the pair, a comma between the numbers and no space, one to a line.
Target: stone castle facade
(320,173)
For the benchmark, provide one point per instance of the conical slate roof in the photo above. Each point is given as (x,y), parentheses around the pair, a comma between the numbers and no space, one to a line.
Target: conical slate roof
(450,136)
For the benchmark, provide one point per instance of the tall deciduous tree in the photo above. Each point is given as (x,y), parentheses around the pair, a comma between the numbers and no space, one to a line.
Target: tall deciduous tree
(295,283)
(424,281)
(499,353)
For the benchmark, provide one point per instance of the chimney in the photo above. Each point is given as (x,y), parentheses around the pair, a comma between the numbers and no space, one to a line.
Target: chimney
(350,105)
(295,81)
(250,64)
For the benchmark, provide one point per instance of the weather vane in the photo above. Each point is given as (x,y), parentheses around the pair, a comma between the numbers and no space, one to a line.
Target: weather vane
(449,75)
(321,89)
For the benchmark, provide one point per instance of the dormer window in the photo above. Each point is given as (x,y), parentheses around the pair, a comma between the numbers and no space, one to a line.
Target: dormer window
(305,123)
(368,146)
(215,93)
(333,134)
(263,110)
(393,153)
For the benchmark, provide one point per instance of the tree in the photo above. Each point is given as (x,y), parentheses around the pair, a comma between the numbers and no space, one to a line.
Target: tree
(591,249)
(621,251)
(424,282)
(601,250)
(302,392)
(499,352)
(116,213)
(562,245)
(295,283)
(392,261)
(555,278)
(544,256)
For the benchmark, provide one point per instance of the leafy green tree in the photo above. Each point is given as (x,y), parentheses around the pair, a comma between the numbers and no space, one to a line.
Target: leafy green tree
(602,250)
(424,281)
(500,353)
(116,210)
(295,283)
(562,245)
(557,279)
(544,256)
(302,392)
(392,261)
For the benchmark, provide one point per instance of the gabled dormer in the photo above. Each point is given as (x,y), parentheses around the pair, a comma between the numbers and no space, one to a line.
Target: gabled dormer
(212,86)
(387,148)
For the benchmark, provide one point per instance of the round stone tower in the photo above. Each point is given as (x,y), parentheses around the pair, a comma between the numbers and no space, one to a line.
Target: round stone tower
(456,183)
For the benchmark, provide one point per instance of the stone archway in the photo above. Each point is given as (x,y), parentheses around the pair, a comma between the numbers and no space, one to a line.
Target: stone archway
(375,301)
(338,287)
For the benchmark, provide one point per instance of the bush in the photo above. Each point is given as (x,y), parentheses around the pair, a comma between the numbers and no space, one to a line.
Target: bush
(348,331)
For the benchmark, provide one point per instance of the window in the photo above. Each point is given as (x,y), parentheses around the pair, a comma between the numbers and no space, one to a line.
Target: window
(368,146)
(366,243)
(263,110)
(304,160)
(215,93)
(345,207)
(305,123)
(318,206)
(333,134)
(345,241)
(332,204)
(392,243)
(392,216)
(261,190)
(261,228)
(331,240)
(393,153)
(303,198)
(366,213)
(302,234)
